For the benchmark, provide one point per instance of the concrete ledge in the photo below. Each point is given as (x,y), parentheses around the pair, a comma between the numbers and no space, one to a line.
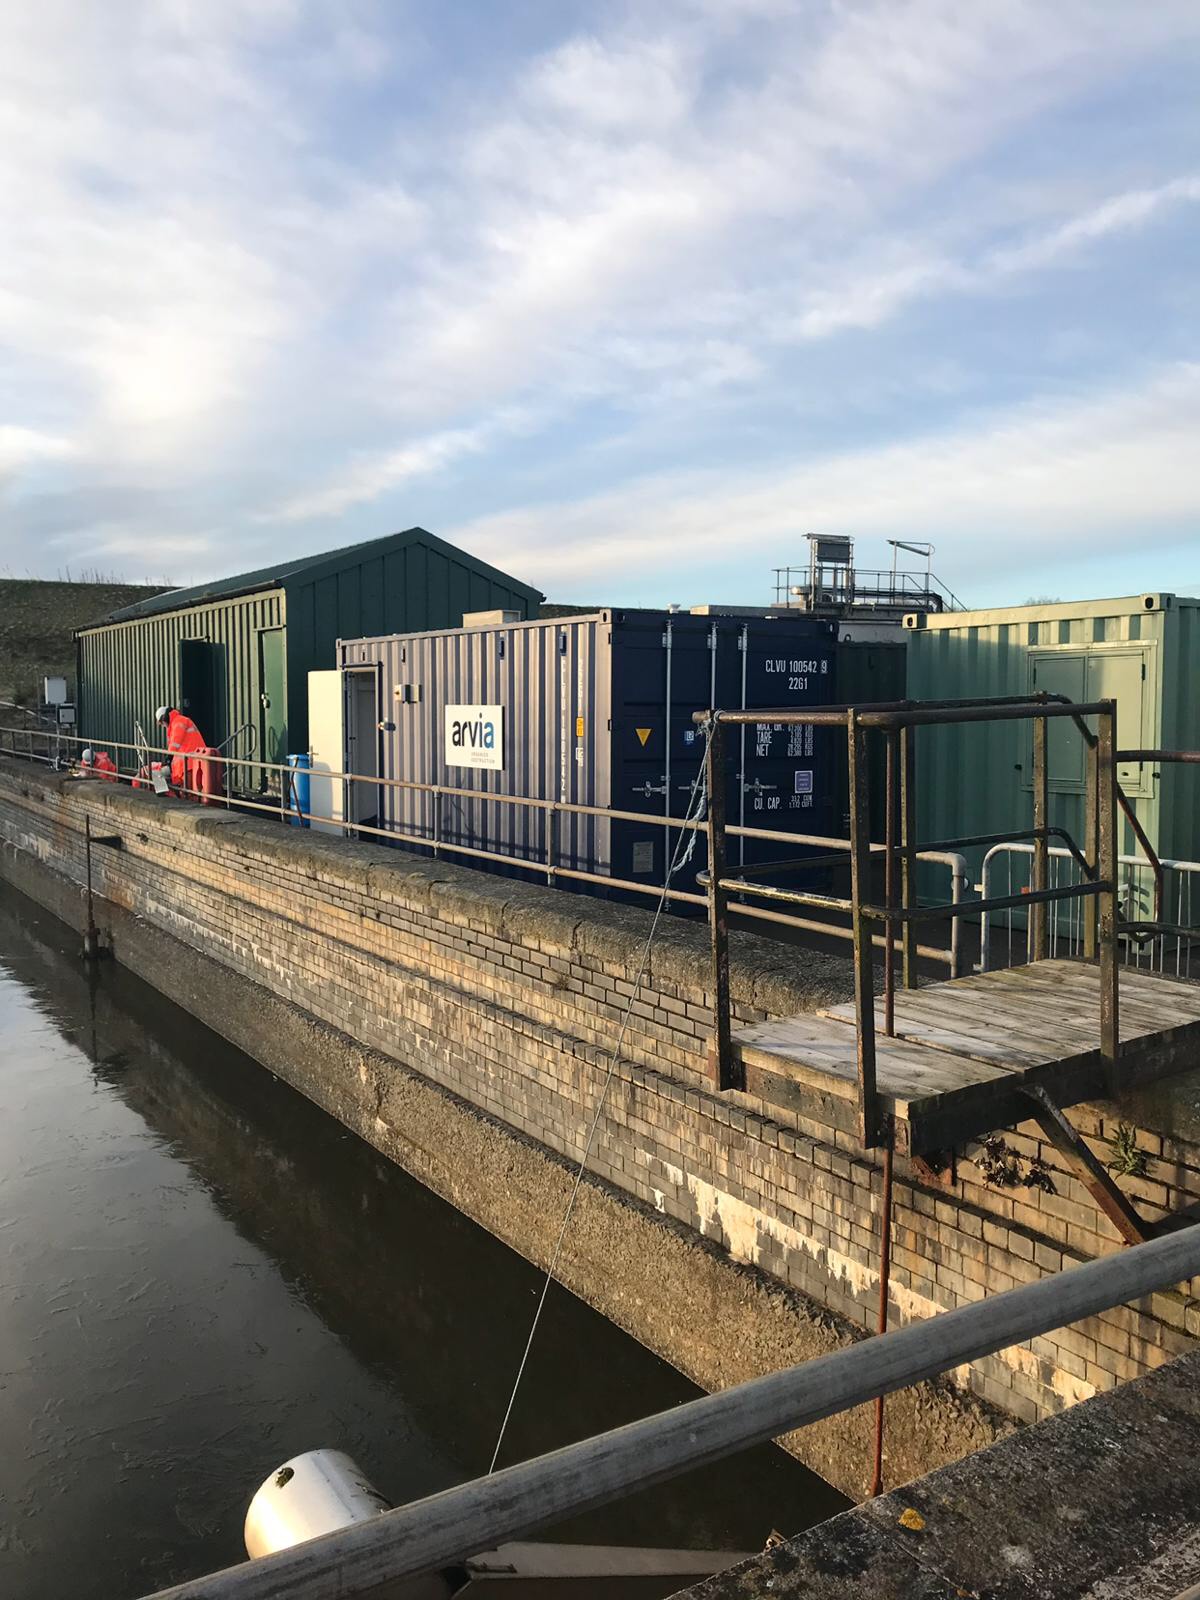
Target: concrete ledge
(1101,1503)
(763,975)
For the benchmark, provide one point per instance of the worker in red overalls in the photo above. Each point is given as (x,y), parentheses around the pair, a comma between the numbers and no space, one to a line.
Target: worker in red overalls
(101,764)
(183,739)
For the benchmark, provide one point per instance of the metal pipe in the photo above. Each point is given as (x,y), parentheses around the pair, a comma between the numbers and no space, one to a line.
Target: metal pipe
(91,937)
(1068,891)
(864,975)
(927,952)
(889,887)
(1188,757)
(933,715)
(1106,812)
(668,852)
(787,713)
(885,1273)
(915,714)
(744,646)
(908,860)
(1038,925)
(445,1528)
(952,908)
(725,1074)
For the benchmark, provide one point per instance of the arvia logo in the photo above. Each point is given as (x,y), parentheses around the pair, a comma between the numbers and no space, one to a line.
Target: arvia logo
(477,735)
(474,736)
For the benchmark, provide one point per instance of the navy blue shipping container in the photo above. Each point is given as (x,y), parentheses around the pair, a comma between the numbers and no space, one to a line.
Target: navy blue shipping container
(594,710)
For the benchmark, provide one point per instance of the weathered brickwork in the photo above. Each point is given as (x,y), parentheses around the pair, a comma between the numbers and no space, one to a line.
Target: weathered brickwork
(512,996)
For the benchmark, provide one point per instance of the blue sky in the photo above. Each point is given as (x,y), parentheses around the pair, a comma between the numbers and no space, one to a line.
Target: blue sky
(624,297)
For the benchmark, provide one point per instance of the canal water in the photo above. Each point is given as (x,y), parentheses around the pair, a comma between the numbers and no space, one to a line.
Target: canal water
(203,1275)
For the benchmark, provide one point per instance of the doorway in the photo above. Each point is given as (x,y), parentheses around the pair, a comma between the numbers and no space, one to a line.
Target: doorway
(201,686)
(362,745)
(272,697)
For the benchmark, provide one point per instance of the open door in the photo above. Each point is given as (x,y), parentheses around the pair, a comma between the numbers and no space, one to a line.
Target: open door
(362,745)
(201,686)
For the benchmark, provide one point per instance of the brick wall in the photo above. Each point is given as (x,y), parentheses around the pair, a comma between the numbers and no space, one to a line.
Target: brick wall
(511,996)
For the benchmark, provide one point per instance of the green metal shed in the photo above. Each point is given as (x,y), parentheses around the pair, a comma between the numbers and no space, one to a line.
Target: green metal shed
(239,650)
(1142,651)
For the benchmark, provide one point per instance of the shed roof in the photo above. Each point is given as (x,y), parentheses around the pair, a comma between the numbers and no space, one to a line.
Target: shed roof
(287,570)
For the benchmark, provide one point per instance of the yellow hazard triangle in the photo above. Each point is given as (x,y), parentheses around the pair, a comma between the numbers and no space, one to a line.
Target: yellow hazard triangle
(643,734)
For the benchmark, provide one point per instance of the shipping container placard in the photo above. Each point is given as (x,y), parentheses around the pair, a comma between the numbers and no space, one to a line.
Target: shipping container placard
(474,736)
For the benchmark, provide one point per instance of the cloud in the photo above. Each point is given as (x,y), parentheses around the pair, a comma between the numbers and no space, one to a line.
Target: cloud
(1085,473)
(21,447)
(1121,213)
(370,476)
(280,263)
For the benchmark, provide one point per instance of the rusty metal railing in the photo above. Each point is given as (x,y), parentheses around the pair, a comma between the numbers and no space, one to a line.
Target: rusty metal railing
(899,913)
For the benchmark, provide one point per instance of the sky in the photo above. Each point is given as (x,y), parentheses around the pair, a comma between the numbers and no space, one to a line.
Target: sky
(623,297)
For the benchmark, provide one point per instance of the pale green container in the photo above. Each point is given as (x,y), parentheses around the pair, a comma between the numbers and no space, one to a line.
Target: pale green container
(1142,650)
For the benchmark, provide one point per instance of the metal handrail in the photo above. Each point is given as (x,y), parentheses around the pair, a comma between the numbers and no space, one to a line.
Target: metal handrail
(549,867)
(445,1529)
(898,722)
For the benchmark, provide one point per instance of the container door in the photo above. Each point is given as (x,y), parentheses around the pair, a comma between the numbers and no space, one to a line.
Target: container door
(199,681)
(326,732)
(1060,672)
(272,680)
(1121,675)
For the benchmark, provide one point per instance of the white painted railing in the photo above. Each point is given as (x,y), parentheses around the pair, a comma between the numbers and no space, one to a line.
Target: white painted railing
(1164,952)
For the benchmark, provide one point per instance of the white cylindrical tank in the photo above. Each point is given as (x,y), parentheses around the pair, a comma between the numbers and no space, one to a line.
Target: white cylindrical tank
(315,1493)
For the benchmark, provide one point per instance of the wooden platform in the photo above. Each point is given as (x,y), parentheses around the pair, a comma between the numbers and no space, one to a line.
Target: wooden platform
(964,1050)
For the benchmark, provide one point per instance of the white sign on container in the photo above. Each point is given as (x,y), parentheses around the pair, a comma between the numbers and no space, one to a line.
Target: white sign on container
(473,736)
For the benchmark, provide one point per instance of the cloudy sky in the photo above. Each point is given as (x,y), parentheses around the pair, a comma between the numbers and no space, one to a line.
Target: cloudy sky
(625,297)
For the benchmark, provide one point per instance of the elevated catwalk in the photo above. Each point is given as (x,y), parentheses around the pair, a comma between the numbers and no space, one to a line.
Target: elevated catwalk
(967,1053)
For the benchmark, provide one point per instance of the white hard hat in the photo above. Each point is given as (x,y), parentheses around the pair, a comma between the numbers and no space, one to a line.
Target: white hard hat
(87,757)
(161,714)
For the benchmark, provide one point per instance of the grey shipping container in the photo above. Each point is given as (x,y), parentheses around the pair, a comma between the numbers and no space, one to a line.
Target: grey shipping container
(593,710)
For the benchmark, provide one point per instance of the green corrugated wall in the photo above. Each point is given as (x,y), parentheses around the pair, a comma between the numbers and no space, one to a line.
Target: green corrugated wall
(127,669)
(412,589)
(978,779)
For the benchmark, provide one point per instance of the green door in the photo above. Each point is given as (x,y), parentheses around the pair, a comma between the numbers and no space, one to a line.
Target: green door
(272,679)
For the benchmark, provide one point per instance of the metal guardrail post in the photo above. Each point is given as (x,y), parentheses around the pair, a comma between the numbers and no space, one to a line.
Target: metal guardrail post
(1091,844)
(437,823)
(726,1074)
(1039,912)
(551,843)
(1106,810)
(860,894)
(889,881)
(908,855)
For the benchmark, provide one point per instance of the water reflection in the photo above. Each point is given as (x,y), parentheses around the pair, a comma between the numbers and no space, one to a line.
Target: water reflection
(205,1274)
